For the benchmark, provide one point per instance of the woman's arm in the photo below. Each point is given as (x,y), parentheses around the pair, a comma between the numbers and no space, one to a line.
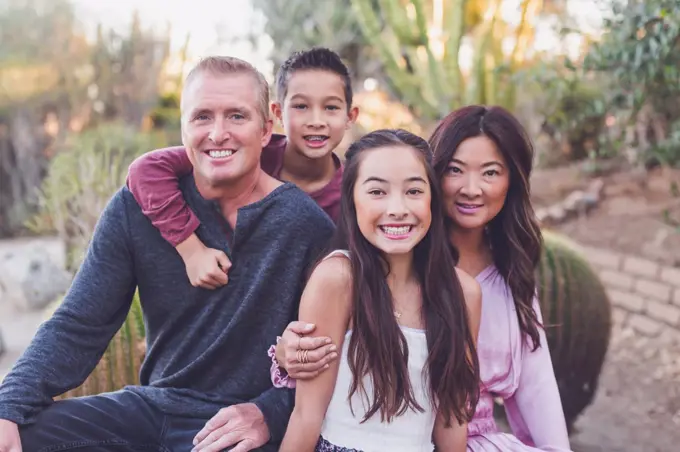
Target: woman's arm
(454,437)
(535,409)
(326,302)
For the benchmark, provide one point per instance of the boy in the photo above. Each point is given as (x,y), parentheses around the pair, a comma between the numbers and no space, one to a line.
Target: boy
(314,103)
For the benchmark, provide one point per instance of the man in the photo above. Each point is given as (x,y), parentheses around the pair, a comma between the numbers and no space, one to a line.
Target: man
(205,379)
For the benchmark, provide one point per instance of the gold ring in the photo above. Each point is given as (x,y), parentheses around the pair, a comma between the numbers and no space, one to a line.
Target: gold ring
(298,356)
(305,358)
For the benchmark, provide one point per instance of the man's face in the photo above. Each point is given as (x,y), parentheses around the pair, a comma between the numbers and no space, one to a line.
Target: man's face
(222,127)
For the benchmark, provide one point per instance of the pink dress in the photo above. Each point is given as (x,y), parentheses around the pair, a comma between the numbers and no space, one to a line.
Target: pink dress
(522,378)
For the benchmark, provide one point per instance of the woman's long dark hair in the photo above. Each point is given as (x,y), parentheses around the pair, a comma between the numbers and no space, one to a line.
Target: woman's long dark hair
(514,235)
(377,347)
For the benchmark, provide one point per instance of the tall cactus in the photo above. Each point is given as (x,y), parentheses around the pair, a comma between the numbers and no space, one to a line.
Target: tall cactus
(419,44)
(577,315)
(120,364)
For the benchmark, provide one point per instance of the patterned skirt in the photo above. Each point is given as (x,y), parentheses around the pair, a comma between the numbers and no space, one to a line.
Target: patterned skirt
(325,446)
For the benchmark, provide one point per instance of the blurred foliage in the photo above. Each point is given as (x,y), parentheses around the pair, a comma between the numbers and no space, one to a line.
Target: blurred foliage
(82,178)
(121,362)
(54,82)
(640,51)
(42,48)
(571,110)
(667,151)
(166,114)
(413,47)
(639,57)
(126,72)
(297,25)
(419,44)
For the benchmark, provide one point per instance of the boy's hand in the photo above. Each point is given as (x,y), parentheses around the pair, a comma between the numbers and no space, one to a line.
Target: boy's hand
(206,267)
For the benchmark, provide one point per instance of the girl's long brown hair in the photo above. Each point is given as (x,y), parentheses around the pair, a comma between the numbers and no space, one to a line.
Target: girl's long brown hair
(514,235)
(377,347)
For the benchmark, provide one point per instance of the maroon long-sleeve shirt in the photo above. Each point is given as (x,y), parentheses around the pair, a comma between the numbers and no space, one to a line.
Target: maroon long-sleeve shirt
(153,179)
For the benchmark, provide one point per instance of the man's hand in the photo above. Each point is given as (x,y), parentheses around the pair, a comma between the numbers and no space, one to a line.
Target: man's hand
(320,351)
(242,424)
(206,267)
(9,437)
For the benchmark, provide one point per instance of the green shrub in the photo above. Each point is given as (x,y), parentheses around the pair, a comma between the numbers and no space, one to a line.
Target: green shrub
(119,367)
(82,177)
(577,315)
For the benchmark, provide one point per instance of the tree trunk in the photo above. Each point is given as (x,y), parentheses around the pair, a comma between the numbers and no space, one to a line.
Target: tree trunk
(22,168)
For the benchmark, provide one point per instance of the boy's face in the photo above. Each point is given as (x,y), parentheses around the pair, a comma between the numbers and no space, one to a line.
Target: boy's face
(314,113)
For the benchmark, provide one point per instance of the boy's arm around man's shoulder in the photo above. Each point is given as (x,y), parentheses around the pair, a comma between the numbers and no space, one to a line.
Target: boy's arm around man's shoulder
(68,346)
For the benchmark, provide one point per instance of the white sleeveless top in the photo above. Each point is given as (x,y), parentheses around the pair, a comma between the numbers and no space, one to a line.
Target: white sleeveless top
(410,432)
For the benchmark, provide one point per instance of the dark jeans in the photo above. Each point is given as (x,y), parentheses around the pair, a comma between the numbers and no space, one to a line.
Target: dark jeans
(113,422)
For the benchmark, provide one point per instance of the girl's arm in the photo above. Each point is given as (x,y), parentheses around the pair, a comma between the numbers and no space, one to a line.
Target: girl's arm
(535,409)
(454,437)
(326,302)
(153,179)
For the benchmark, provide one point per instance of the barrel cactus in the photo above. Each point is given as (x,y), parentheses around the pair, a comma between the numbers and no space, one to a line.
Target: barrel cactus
(119,366)
(578,321)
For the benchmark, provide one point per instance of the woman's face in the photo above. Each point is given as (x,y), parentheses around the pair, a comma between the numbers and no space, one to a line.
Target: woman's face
(475,183)
(392,199)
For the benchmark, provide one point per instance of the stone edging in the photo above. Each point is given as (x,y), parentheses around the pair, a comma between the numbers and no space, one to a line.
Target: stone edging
(645,295)
(578,202)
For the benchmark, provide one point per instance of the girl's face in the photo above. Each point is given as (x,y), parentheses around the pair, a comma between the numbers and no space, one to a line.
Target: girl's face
(475,184)
(392,198)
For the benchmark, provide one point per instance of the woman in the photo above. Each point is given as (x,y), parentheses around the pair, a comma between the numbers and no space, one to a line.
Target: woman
(483,161)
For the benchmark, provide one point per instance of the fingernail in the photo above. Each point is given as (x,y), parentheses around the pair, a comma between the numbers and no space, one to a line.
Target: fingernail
(327,341)
(309,326)
(334,355)
(326,366)
(332,348)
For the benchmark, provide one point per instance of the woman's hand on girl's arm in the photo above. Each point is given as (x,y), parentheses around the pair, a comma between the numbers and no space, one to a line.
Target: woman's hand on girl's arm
(320,351)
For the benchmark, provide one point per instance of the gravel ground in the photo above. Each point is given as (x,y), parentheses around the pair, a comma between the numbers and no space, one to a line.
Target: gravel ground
(637,407)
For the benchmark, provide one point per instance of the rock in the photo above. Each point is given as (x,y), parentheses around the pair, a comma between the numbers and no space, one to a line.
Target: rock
(557,213)
(542,215)
(574,202)
(590,200)
(32,275)
(596,188)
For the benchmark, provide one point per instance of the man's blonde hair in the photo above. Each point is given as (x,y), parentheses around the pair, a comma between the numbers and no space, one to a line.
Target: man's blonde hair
(226,65)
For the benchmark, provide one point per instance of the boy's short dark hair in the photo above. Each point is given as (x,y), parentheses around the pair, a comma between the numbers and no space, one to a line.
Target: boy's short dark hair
(316,58)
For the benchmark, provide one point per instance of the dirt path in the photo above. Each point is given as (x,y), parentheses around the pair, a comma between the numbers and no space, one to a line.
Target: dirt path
(638,215)
(637,407)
